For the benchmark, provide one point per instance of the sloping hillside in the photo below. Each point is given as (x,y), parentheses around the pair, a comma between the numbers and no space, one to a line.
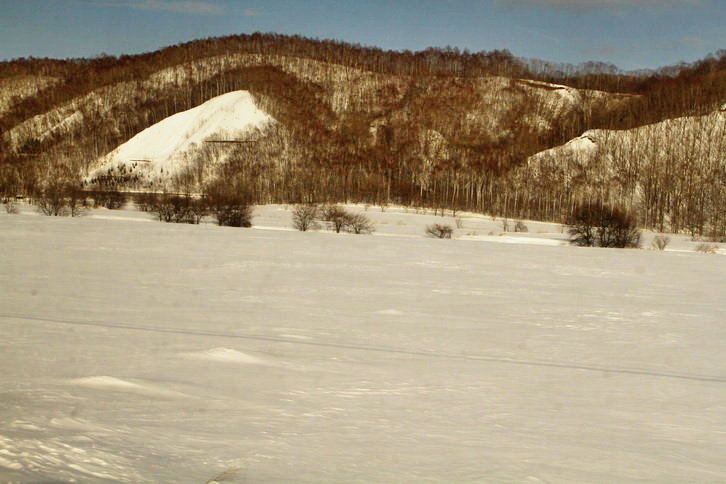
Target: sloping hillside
(671,173)
(174,144)
(16,89)
(411,126)
(437,128)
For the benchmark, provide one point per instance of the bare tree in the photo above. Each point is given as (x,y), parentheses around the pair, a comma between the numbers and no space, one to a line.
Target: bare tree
(358,224)
(335,216)
(163,207)
(52,201)
(304,217)
(76,201)
(197,210)
(11,207)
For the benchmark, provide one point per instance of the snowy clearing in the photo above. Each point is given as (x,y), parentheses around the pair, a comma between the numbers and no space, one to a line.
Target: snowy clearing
(151,352)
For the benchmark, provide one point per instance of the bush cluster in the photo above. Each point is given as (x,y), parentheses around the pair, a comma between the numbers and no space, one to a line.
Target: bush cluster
(110,199)
(707,248)
(439,231)
(228,209)
(178,209)
(599,225)
(61,199)
(308,216)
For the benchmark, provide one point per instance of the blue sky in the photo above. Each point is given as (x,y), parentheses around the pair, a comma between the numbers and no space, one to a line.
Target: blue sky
(630,33)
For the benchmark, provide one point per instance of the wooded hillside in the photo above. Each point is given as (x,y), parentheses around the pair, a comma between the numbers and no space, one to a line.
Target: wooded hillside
(441,128)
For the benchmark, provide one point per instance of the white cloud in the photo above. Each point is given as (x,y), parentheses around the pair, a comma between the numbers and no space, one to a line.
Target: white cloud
(583,5)
(191,7)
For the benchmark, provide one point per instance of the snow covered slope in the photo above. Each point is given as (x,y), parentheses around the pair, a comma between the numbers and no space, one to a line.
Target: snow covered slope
(673,140)
(168,146)
(671,173)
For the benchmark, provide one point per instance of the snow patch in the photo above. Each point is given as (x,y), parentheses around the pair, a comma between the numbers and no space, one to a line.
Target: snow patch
(16,466)
(116,384)
(226,355)
(509,239)
(390,312)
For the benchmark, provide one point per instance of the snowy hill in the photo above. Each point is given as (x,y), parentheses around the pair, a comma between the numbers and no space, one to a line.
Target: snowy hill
(167,147)
(653,169)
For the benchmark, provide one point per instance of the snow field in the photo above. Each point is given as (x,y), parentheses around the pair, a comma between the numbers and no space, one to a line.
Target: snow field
(142,352)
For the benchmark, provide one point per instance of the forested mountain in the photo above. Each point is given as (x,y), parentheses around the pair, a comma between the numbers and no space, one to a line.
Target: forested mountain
(440,128)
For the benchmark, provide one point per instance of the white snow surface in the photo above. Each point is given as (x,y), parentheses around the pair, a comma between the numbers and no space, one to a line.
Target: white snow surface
(581,147)
(151,352)
(167,144)
(226,355)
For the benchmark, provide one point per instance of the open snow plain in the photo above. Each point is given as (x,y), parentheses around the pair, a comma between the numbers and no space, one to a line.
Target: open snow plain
(143,352)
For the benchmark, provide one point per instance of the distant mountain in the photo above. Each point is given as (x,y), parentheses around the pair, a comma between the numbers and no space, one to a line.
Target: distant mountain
(295,119)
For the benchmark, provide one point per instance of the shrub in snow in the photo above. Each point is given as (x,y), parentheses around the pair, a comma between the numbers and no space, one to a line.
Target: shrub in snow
(439,231)
(198,209)
(60,199)
(231,211)
(304,217)
(339,219)
(598,225)
(178,209)
(111,199)
(234,215)
(51,202)
(660,242)
(11,207)
(520,227)
(358,224)
(335,216)
(707,248)
(230,205)
(77,202)
(164,207)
